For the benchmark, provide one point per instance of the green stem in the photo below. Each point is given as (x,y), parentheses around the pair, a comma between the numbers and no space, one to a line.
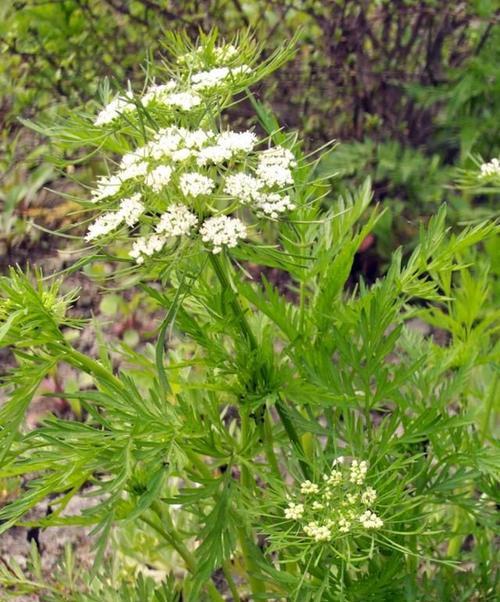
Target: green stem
(256,585)
(248,334)
(198,463)
(293,436)
(90,366)
(267,439)
(174,539)
(490,400)
(230,581)
(235,306)
(172,535)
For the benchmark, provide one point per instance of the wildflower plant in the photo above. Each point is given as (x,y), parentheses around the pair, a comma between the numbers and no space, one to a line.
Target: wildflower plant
(298,444)
(339,504)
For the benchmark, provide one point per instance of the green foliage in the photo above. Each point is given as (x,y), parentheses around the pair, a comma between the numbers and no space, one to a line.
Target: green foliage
(189,450)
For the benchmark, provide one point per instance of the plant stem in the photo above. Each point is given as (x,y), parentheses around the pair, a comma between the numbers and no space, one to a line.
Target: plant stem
(256,585)
(248,334)
(490,400)
(174,539)
(235,306)
(293,436)
(230,581)
(90,366)
(267,438)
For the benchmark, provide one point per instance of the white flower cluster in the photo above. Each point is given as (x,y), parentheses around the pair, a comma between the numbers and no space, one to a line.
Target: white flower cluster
(273,204)
(225,53)
(129,212)
(158,178)
(318,532)
(370,520)
(158,92)
(492,168)
(358,472)
(167,95)
(226,146)
(179,162)
(294,511)
(114,109)
(243,186)
(308,487)
(132,166)
(207,80)
(195,184)
(220,54)
(181,93)
(222,230)
(274,166)
(176,221)
(337,506)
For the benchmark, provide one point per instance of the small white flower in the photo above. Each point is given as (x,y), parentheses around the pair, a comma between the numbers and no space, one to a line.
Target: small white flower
(278,155)
(237,141)
(370,520)
(274,175)
(129,212)
(308,487)
(206,80)
(492,168)
(213,154)
(158,93)
(358,472)
(181,155)
(317,505)
(195,184)
(165,142)
(176,221)
(104,224)
(134,170)
(272,204)
(195,138)
(240,70)
(344,525)
(209,79)
(274,166)
(131,209)
(334,478)
(222,230)
(113,110)
(183,100)
(225,52)
(368,496)
(158,178)
(242,186)
(106,186)
(147,246)
(318,532)
(294,511)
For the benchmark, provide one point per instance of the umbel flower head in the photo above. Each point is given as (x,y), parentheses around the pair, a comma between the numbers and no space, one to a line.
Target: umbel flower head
(490,169)
(340,504)
(189,179)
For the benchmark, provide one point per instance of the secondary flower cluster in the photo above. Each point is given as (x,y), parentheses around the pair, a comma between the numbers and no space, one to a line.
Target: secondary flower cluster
(492,168)
(338,505)
(186,91)
(187,181)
